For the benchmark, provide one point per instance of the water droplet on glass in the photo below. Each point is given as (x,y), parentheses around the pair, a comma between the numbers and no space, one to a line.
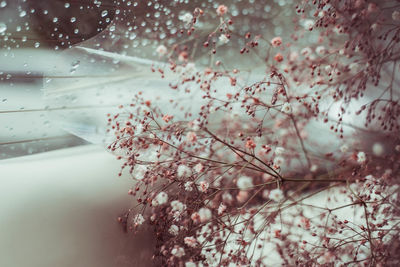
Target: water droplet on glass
(67,5)
(37,44)
(104,13)
(55,19)
(22,13)
(73,19)
(3,4)
(112,28)
(3,27)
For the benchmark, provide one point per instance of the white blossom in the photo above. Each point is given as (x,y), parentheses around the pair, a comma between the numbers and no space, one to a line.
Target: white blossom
(244,183)
(191,137)
(276,195)
(189,186)
(198,167)
(396,15)
(178,251)
(397,148)
(265,194)
(178,206)
(138,219)
(286,108)
(139,172)
(186,18)
(161,50)
(355,67)
(293,56)
(314,168)
(183,171)
(227,198)
(190,241)
(320,50)
(328,68)
(308,24)
(378,149)
(203,186)
(344,148)
(221,208)
(306,51)
(375,27)
(177,216)
(205,214)
(278,161)
(361,157)
(160,199)
(174,230)
(223,39)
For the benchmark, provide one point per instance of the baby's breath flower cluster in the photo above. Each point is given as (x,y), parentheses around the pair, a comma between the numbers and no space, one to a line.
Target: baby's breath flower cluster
(247,178)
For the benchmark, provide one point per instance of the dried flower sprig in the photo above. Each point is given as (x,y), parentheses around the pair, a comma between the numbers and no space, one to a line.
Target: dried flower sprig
(242,179)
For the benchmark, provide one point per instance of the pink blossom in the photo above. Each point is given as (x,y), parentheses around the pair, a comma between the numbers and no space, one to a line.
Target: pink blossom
(191,137)
(161,50)
(276,41)
(242,196)
(167,118)
(195,217)
(278,57)
(203,186)
(305,223)
(183,56)
(221,10)
(190,241)
(250,144)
